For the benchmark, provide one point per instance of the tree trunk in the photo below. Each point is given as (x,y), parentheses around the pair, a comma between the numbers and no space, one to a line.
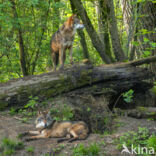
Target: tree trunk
(97,80)
(133,48)
(56,16)
(99,46)
(82,35)
(137,17)
(83,44)
(103,27)
(118,52)
(148,22)
(21,43)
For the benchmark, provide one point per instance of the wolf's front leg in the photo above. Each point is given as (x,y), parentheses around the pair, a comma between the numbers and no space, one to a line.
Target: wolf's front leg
(71,54)
(34,132)
(61,51)
(29,133)
(54,58)
(40,136)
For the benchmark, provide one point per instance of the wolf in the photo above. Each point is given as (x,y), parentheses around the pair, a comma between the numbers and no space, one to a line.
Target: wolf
(49,128)
(63,39)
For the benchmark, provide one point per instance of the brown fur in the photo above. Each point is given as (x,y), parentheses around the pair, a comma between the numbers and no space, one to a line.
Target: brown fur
(66,130)
(63,40)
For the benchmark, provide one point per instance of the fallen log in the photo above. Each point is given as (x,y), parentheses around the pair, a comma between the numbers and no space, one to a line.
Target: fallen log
(142,61)
(116,77)
(138,112)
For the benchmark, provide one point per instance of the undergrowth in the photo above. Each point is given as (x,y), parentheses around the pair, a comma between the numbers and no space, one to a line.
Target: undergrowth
(91,150)
(8,147)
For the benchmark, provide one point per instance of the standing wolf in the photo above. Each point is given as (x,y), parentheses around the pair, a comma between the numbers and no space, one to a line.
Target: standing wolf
(63,40)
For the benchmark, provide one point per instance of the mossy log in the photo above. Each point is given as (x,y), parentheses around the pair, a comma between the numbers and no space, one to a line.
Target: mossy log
(139,112)
(84,77)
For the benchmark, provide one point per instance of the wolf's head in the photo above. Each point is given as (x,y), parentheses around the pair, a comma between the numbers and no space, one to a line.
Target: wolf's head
(43,119)
(74,22)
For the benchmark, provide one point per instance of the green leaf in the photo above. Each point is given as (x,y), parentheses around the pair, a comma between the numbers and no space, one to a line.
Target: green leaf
(153,44)
(128,96)
(146,39)
(135,43)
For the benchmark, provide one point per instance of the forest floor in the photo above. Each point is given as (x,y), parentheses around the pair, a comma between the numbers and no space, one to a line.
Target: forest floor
(11,127)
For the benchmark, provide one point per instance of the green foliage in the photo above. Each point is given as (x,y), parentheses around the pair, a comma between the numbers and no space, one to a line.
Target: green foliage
(92,150)
(30,149)
(128,96)
(12,111)
(64,113)
(149,45)
(31,103)
(26,113)
(151,142)
(29,110)
(153,89)
(8,147)
(59,148)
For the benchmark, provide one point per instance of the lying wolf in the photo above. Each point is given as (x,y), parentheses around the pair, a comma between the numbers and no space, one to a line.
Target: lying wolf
(66,130)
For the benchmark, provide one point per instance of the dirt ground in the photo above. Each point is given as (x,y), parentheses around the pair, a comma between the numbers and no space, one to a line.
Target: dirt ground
(11,126)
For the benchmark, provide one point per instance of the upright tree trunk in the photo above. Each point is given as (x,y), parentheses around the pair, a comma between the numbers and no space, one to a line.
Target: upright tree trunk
(118,52)
(130,17)
(56,16)
(148,22)
(82,35)
(103,26)
(99,46)
(145,12)
(83,44)
(20,40)
(133,47)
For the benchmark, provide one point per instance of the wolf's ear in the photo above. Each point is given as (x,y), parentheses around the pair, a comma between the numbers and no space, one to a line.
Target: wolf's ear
(47,112)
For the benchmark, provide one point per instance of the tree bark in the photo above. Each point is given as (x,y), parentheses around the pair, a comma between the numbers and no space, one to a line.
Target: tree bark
(22,53)
(81,34)
(83,44)
(99,46)
(139,16)
(103,27)
(133,48)
(148,22)
(118,52)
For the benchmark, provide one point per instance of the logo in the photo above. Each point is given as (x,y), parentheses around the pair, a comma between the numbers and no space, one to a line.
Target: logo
(125,149)
(137,150)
